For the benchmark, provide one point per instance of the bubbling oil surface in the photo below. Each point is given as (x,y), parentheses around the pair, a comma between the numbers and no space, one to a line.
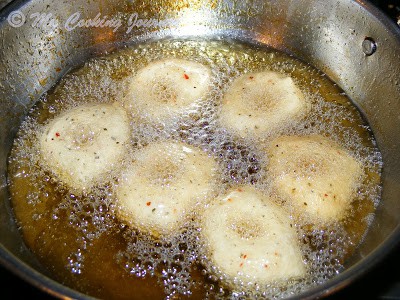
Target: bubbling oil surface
(79,239)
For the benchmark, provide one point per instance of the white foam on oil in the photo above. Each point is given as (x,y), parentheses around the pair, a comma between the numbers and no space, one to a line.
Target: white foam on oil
(241,159)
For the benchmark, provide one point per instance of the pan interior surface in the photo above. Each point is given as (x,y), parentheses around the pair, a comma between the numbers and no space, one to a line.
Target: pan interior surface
(47,51)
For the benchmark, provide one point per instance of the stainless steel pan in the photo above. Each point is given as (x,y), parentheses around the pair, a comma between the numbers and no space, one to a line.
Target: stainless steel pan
(350,41)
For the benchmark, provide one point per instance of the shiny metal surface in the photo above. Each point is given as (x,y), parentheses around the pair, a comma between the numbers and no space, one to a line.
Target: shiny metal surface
(41,41)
